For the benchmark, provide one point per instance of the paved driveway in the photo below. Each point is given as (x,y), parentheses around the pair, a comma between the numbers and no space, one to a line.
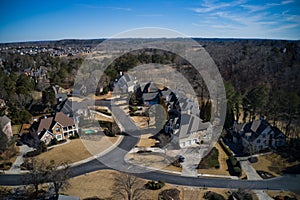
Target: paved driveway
(15,168)
(252,175)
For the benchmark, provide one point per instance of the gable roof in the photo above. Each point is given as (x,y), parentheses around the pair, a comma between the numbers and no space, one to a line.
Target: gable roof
(45,123)
(63,119)
(150,87)
(190,124)
(189,105)
(43,133)
(124,83)
(150,96)
(257,127)
(277,133)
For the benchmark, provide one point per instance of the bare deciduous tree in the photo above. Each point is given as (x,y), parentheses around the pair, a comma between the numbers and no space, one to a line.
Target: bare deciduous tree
(36,175)
(40,172)
(58,177)
(128,187)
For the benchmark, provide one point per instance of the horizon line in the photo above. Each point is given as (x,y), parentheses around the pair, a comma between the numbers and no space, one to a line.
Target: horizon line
(108,38)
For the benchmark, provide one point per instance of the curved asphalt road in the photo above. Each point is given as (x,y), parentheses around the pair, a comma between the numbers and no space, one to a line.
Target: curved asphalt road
(287,182)
(115,160)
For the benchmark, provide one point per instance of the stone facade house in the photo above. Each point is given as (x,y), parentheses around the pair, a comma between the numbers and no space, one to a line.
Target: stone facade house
(257,135)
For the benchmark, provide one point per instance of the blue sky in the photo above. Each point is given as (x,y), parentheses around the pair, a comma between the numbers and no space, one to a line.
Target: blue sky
(60,19)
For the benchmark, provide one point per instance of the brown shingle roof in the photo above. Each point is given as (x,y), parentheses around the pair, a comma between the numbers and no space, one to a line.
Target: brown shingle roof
(45,124)
(63,119)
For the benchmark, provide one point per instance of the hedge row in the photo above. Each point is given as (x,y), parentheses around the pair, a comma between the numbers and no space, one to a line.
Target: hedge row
(225,148)
(234,166)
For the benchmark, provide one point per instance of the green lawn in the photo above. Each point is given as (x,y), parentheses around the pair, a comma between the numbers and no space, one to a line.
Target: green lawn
(210,160)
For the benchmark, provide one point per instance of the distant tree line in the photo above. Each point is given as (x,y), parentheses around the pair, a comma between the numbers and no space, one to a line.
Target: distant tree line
(18,87)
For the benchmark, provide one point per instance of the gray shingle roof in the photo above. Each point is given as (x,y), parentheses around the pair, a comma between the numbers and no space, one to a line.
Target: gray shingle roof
(150,96)
(190,124)
(3,121)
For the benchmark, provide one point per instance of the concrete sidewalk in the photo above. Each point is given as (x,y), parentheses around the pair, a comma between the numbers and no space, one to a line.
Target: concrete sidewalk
(252,175)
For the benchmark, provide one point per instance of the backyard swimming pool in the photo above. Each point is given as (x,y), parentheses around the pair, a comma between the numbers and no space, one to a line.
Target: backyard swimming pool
(89,131)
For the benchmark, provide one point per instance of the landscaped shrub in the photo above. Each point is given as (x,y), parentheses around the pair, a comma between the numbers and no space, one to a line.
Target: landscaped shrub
(241,194)
(133,108)
(152,185)
(176,163)
(5,165)
(26,165)
(233,160)
(54,141)
(42,147)
(253,159)
(32,153)
(169,194)
(234,166)
(213,196)
(144,151)
(237,171)
(95,198)
(284,198)
(75,136)
(108,133)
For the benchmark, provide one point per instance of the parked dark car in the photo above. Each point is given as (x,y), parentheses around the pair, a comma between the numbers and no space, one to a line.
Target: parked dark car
(181,158)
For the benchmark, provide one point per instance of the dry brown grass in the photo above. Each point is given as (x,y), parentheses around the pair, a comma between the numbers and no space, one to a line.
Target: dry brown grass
(92,96)
(272,163)
(145,141)
(100,97)
(100,184)
(154,161)
(194,193)
(140,121)
(102,118)
(77,149)
(223,170)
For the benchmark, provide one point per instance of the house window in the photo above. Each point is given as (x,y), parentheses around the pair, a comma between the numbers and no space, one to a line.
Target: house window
(57,129)
(59,137)
(258,141)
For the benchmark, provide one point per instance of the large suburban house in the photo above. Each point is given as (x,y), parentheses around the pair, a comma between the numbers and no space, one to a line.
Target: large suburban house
(126,84)
(184,124)
(151,94)
(192,130)
(257,135)
(59,126)
(73,109)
